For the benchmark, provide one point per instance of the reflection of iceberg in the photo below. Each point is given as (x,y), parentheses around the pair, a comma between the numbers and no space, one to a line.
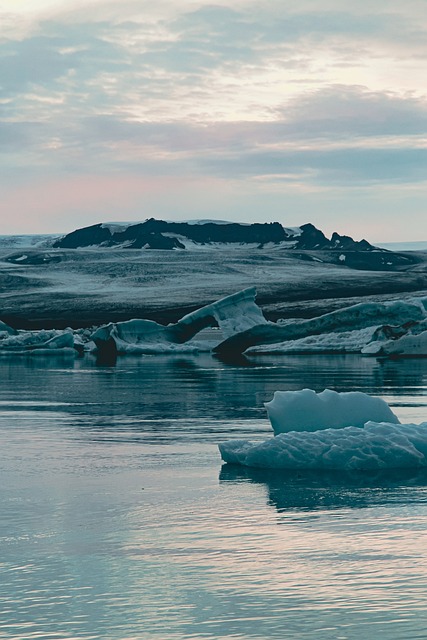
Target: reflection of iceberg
(233,314)
(356,317)
(375,445)
(319,490)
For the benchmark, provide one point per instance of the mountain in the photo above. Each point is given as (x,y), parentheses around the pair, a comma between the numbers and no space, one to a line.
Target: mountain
(159,234)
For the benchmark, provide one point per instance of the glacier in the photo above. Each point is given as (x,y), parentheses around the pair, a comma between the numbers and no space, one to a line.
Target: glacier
(331,434)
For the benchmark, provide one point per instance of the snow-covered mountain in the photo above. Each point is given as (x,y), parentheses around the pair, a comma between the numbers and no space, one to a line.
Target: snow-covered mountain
(160,234)
(34,241)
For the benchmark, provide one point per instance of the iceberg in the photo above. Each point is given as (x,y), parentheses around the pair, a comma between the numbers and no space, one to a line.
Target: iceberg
(355,317)
(332,431)
(307,410)
(44,342)
(334,342)
(233,314)
(408,345)
(5,329)
(377,445)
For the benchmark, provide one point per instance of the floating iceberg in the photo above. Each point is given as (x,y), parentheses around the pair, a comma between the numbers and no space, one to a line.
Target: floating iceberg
(307,410)
(395,329)
(44,342)
(374,446)
(410,344)
(355,317)
(234,314)
(351,444)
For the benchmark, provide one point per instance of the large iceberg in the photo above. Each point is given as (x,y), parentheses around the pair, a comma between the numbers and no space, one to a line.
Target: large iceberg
(233,314)
(355,317)
(307,410)
(379,444)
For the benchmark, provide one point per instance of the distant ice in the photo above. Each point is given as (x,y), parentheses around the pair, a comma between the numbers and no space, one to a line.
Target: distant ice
(207,221)
(28,241)
(346,436)
(331,342)
(118,227)
(44,342)
(396,328)
(420,245)
(232,314)
(404,313)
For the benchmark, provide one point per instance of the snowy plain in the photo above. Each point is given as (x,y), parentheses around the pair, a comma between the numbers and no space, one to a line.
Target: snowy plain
(46,288)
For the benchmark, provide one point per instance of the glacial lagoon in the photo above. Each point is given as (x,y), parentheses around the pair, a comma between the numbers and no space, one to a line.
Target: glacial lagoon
(119,521)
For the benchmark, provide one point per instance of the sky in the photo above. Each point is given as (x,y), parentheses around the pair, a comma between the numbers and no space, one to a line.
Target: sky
(251,111)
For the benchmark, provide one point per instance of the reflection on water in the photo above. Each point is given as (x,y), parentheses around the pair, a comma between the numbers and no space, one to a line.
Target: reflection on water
(173,387)
(114,524)
(314,490)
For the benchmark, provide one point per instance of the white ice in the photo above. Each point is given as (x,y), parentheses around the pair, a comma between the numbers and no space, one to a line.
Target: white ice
(44,342)
(307,410)
(355,317)
(232,314)
(374,446)
(411,344)
(330,430)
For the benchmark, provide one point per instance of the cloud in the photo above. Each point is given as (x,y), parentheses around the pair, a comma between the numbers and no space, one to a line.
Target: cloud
(338,134)
(341,110)
(319,95)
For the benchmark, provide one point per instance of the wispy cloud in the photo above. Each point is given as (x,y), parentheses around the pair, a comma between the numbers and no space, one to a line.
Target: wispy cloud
(244,96)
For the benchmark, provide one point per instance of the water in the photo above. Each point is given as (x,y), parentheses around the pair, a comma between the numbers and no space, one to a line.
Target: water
(118,520)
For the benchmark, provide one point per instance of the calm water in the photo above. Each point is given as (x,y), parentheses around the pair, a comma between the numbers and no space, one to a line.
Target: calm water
(118,521)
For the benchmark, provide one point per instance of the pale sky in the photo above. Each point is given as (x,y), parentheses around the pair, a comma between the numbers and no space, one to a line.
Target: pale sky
(309,111)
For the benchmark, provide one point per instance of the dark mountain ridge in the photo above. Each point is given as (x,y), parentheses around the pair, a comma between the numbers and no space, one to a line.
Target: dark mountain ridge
(159,234)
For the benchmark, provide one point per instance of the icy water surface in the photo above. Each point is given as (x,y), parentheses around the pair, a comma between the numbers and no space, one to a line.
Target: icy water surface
(118,521)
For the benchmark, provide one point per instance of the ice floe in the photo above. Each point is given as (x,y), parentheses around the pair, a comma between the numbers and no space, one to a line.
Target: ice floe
(346,437)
